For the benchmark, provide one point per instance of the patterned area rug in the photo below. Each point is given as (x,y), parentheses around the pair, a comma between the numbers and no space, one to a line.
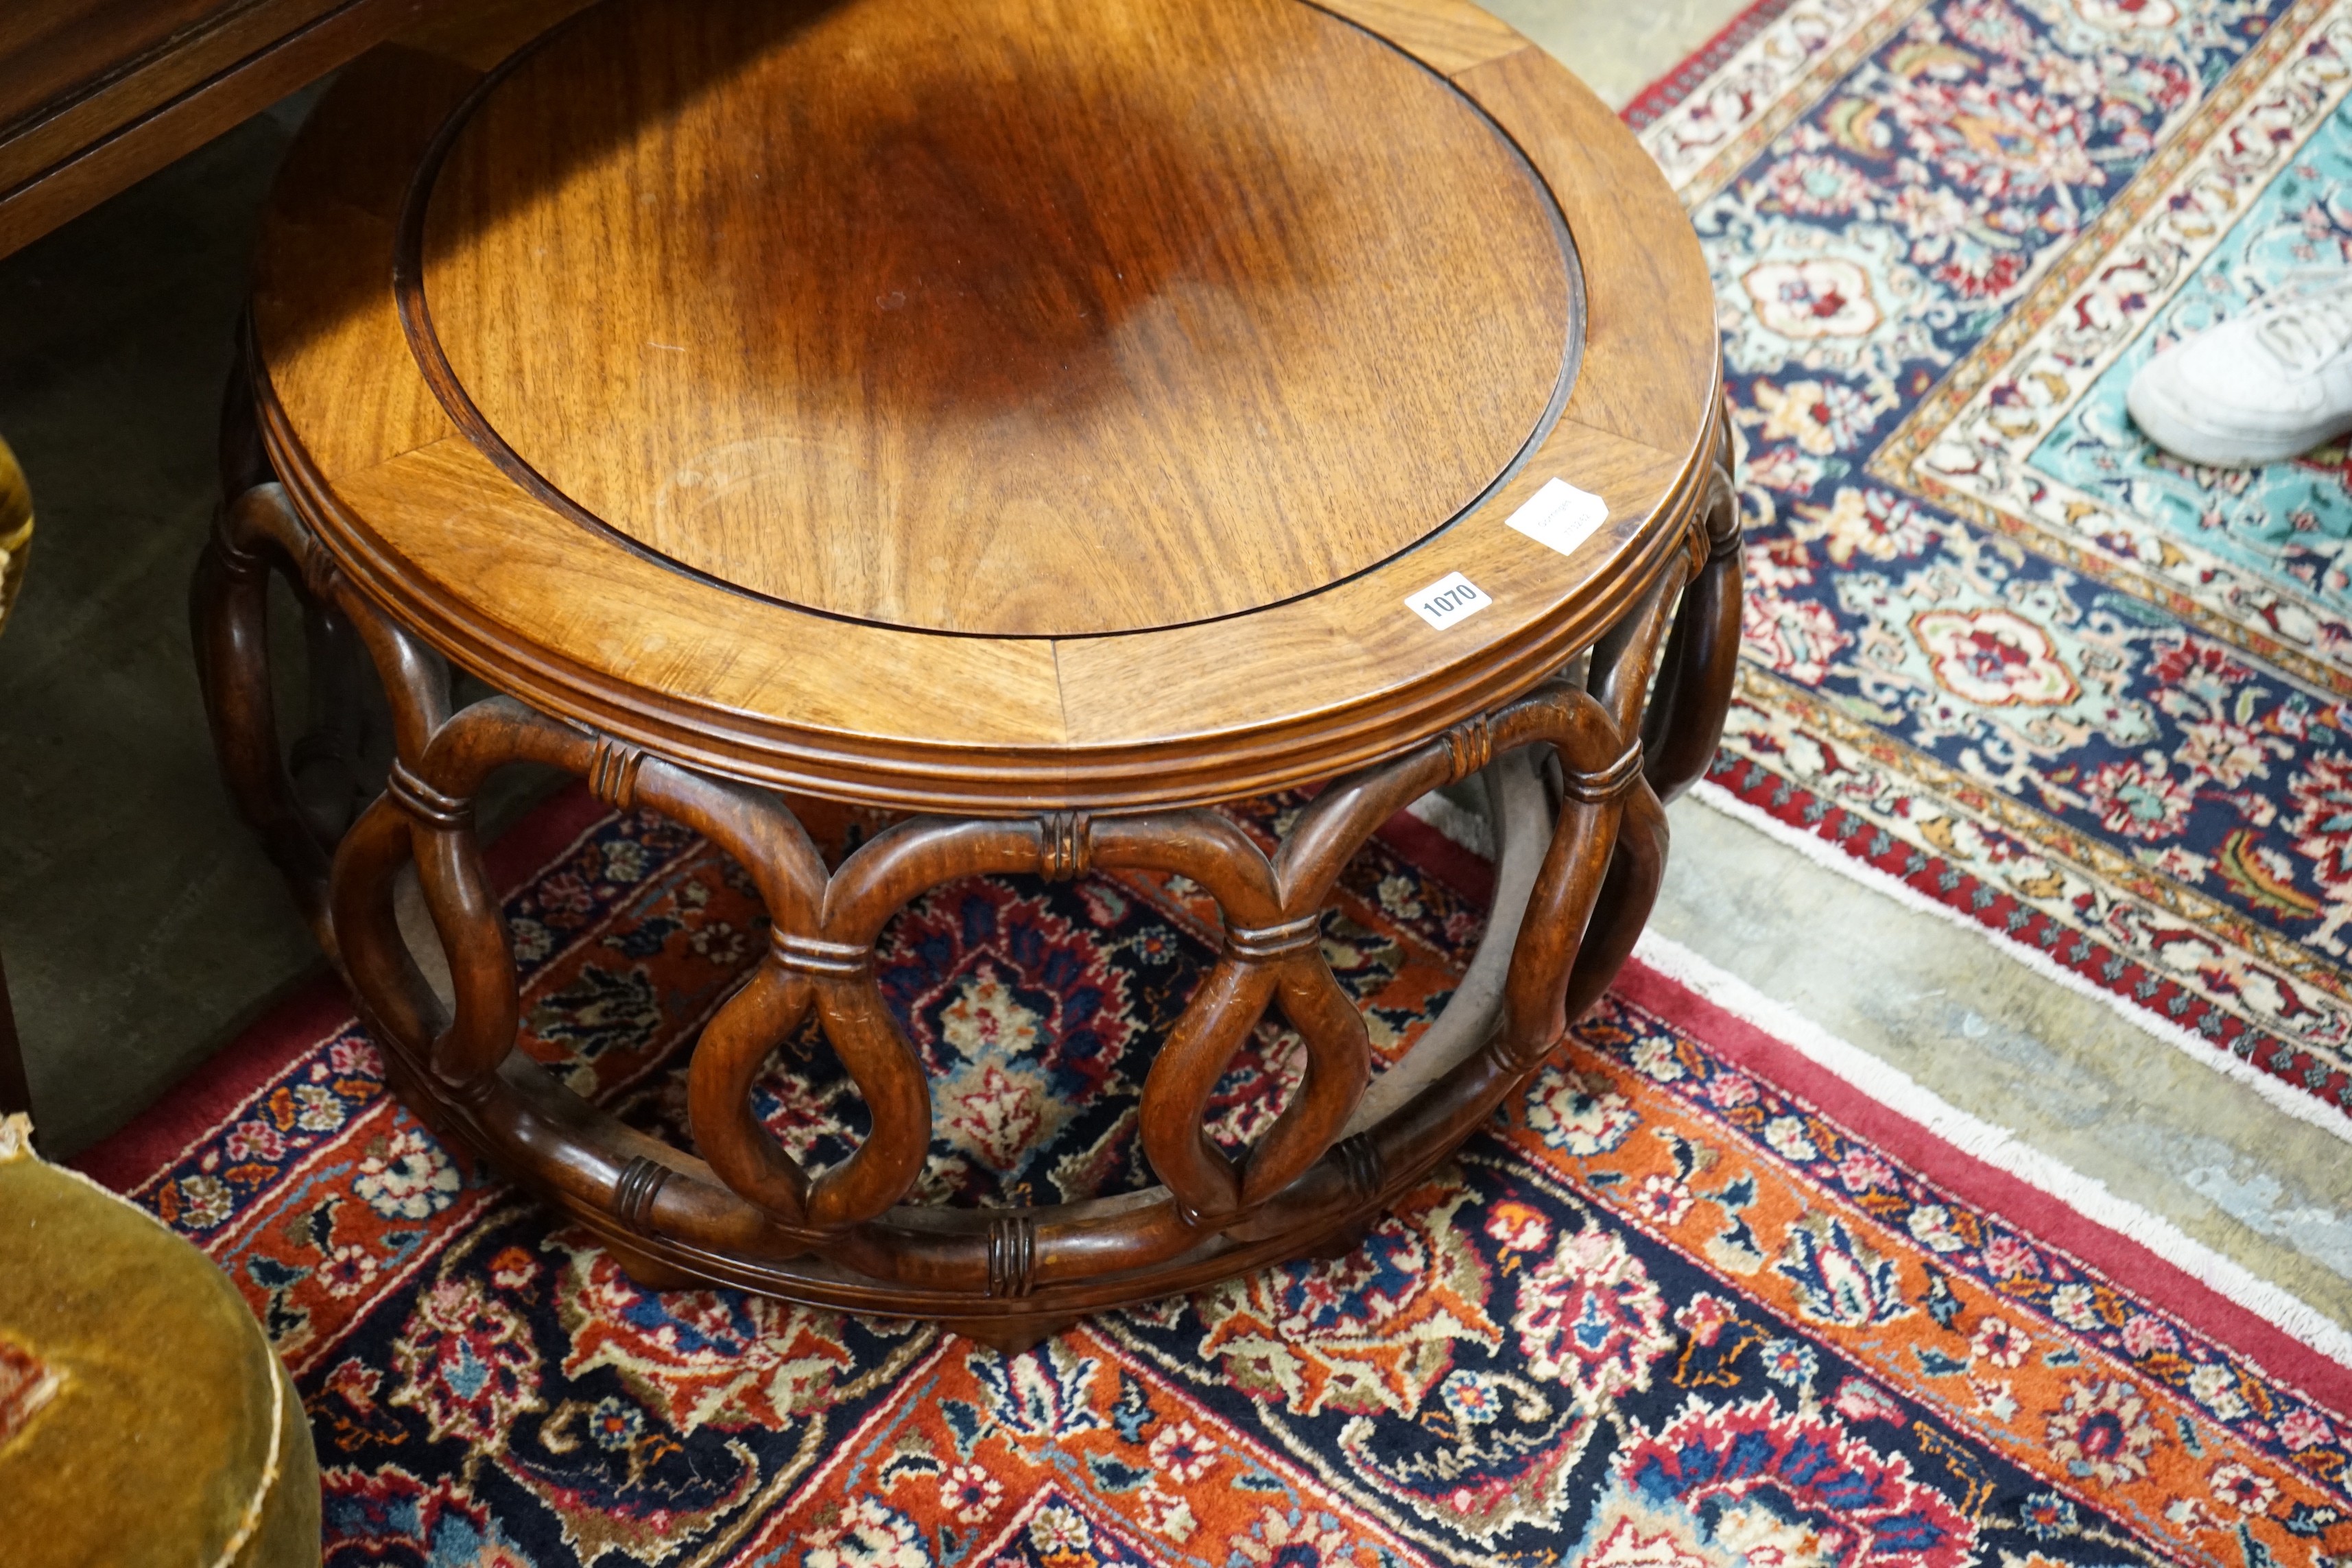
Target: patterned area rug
(2003,656)
(1693,1301)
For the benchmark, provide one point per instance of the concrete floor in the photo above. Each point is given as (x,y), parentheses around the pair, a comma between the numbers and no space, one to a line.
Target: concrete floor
(141,928)
(1619,48)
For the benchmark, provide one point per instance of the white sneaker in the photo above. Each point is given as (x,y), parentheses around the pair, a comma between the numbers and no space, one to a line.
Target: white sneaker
(2269,385)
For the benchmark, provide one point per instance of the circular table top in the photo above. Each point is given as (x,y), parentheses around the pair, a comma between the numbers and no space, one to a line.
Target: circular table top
(1033,325)
(1026,403)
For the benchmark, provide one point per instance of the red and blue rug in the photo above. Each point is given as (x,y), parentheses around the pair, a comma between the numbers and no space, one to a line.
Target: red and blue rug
(1693,1299)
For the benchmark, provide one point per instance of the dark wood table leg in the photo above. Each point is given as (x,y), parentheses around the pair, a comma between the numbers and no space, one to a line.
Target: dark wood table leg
(15,1089)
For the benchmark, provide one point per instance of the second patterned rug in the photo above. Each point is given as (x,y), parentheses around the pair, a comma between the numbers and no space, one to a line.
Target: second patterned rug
(2003,656)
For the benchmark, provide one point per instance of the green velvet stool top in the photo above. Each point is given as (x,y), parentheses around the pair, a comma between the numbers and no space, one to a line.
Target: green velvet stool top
(143,1418)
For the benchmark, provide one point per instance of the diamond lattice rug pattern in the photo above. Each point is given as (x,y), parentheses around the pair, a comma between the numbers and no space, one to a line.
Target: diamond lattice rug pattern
(1693,1299)
(2004,657)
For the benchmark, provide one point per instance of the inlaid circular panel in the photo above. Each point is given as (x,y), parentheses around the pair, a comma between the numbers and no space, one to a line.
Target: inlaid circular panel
(1007,317)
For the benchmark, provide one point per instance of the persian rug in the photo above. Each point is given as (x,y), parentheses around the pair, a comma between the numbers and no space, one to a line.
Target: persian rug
(1709,1292)
(2003,658)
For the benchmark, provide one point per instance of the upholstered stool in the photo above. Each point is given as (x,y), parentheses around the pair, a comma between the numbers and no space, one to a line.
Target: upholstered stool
(1051,417)
(144,1419)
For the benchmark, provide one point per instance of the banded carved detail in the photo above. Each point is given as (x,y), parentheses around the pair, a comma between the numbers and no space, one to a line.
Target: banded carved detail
(1471,745)
(1361,1165)
(231,553)
(813,955)
(641,1182)
(1725,542)
(1012,1256)
(320,575)
(423,802)
(1301,935)
(612,773)
(1068,849)
(1608,782)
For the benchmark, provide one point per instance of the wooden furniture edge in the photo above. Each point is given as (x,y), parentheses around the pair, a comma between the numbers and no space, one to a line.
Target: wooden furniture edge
(62,163)
(756,749)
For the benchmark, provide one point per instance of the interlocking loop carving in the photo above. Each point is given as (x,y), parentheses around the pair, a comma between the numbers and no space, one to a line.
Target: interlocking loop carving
(746,1210)
(1684,719)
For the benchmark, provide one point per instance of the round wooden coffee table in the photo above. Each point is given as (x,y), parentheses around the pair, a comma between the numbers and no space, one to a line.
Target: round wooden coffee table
(1046,417)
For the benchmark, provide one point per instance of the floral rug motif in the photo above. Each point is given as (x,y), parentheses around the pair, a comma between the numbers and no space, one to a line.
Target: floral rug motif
(1689,1301)
(1998,649)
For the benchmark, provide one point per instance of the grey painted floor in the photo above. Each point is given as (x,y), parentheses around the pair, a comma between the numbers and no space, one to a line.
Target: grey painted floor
(141,929)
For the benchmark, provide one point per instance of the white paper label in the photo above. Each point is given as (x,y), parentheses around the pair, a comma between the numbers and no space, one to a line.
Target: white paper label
(1560,516)
(1451,598)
